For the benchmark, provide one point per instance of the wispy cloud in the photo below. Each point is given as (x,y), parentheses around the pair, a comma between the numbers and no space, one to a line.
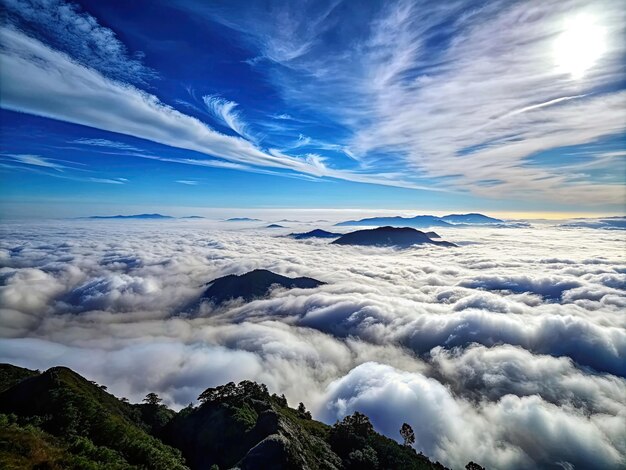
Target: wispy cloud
(30,73)
(64,26)
(456,92)
(224,111)
(41,165)
(104,143)
(306,141)
(62,168)
(427,95)
(187,182)
(36,160)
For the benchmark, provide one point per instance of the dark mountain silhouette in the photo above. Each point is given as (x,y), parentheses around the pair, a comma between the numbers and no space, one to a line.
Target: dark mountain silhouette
(193,217)
(135,216)
(274,226)
(608,223)
(402,237)
(242,219)
(419,221)
(58,420)
(471,218)
(433,235)
(317,233)
(253,284)
(425,221)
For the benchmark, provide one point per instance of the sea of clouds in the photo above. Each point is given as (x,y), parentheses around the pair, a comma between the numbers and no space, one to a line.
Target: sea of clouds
(509,350)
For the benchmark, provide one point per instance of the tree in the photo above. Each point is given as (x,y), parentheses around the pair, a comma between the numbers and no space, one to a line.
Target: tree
(362,459)
(152,399)
(473,466)
(303,411)
(406,431)
(231,393)
(357,423)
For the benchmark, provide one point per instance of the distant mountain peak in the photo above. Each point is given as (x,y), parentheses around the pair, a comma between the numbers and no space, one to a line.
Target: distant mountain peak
(242,219)
(471,218)
(401,237)
(253,284)
(133,216)
(425,221)
(317,233)
(419,221)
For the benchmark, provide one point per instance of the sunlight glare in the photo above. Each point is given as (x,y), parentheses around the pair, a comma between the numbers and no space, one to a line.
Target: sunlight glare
(580,45)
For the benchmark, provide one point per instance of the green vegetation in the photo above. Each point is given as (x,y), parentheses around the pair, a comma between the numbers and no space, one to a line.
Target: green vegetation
(87,420)
(11,375)
(59,420)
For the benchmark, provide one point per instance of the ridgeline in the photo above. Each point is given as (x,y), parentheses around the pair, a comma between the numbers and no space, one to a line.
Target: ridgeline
(60,420)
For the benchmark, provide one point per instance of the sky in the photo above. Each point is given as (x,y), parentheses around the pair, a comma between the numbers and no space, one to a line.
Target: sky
(179,106)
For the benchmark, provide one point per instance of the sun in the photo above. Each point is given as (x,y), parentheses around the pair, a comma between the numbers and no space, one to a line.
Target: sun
(580,45)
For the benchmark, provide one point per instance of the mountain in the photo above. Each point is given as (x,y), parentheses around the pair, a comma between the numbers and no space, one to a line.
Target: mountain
(135,216)
(193,217)
(388,236)
(243,426)
(607,223)
(425,221)
(60,420)
(472,219)
(242,219)
(433,235)
(317,233)
(274,226)
(253,284)
(419,221)
(11,375)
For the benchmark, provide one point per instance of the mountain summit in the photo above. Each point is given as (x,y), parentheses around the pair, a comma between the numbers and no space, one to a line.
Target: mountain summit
(317,233)
(402,237)
(425,221)
(60,420)
(471,219)
(134,216)
(252,285)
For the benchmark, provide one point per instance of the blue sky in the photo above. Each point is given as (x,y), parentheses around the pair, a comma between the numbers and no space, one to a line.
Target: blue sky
(494,106)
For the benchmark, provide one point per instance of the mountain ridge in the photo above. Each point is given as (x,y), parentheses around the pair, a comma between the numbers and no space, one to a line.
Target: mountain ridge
(252,285)
(425,221)
(60,420)
(401,237)
(316,233)
(132,216)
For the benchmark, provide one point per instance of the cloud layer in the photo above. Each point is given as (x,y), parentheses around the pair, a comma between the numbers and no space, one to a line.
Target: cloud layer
(474,97)
(489,99)
(509,350)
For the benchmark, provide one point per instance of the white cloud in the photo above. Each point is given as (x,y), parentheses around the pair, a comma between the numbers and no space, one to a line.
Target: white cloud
(105,143)
(79,34)
(41,81)
(466,95)
(36,160)
(403,335)
(224,110)
(63,168)
(513,432)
